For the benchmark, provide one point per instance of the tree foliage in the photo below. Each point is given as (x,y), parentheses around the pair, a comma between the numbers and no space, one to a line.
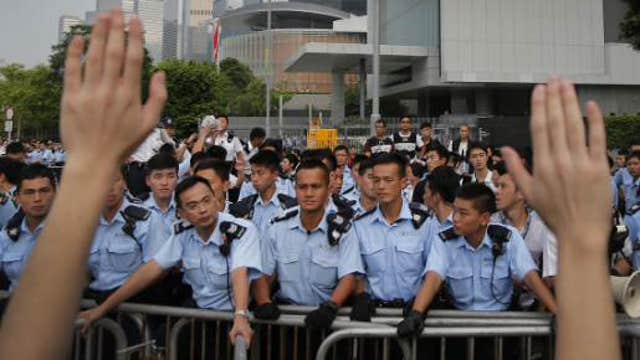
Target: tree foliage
(623,131)
(630,26)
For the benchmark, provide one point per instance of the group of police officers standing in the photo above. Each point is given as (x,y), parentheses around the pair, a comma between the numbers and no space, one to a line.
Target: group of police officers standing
(328,235)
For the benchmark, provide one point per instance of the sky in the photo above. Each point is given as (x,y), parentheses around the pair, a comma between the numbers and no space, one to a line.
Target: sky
(28,28)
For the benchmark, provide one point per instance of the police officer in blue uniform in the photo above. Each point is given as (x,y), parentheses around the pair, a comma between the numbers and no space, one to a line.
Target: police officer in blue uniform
(341,153)
(128,236)
(366,199)
(306,250)
(268,203)
(220,255)
(36,192)
(9,175)
(477,261)
(393,242)
(628,179)
(162,179)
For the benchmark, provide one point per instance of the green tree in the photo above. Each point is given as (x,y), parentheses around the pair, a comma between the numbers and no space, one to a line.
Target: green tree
(630,26)
(238,73)
(252,100)
(195,90)
(622,131)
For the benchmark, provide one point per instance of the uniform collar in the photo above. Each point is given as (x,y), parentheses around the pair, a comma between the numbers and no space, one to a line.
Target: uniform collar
(152,204)
(24,228)
(486,242)
(216,236)
(118,217)
(405,213)
(297,223)
(274,199)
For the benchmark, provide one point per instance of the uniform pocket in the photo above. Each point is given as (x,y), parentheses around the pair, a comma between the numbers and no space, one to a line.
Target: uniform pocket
(324,269)
(124,256)
(460,284)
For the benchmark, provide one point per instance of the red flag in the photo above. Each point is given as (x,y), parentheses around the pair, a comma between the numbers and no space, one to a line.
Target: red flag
(216,42)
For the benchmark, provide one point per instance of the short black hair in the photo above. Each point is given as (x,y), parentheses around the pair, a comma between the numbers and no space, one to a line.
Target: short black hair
(445,181)
(406,116)
(418,170)
(266,158)
(161,161)
(634,154)
(167,148)
(36,171)
(274,143)
(321,154)
(187,184)
(15,147)
(380,121)
(217,152)
(196,158)
(257,133)
(439,149)
(11,169)
(392,158)
(221,168)
(312,164)
(501,168)
(425,124)
(482,197)
(293,159)
(365,165)
(340,148)
(358,158)
(623,152)
(477,145)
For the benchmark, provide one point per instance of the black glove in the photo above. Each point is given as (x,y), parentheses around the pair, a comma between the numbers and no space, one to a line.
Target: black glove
(363,308)
(322,317)
(412,324)
(268,311)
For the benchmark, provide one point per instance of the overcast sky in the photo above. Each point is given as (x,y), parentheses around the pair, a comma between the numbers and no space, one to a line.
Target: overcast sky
(28,28)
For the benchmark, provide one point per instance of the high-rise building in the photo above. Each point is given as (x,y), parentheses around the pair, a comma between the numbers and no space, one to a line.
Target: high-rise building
(186,24)
(65,23)
(151,13)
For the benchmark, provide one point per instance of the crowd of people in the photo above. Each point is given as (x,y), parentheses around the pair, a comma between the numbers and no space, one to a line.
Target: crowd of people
(207,222)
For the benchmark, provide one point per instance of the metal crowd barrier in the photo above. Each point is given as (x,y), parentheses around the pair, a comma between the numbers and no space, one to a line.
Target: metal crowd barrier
(90,346)
(287,337)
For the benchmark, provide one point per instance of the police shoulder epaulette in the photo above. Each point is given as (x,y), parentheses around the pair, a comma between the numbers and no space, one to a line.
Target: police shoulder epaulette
(364,214)
(14,224)
(448,234)
(286,216)
(230,231)
(133,199)
(339,223)
(499,233)
(419,214)
(181,226)
(3,198)
(286,201)
(348,190)
(634,209)
(137,213)
(342,202)
(243,209)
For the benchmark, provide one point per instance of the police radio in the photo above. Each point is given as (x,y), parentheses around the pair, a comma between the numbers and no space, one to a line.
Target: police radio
(230,231)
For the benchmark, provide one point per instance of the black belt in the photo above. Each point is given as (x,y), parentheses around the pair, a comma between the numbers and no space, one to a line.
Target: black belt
(395,303)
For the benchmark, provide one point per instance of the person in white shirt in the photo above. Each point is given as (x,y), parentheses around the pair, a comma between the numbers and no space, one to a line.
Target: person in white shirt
(230,142)
(479,158)
(136,182)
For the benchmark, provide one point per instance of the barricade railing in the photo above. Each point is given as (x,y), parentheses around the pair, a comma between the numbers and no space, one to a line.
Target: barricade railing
(91,345)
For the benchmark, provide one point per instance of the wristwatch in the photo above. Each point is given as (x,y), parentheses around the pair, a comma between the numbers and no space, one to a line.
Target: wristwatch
(243,313)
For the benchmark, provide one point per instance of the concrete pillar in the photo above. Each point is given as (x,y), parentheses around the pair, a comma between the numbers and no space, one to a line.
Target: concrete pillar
(423,103)
(337,99)
(484,101)
(459,104)
(363,87)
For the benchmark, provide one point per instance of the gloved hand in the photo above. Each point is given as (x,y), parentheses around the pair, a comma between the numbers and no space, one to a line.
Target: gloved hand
(363,308)
(412,324)
(267,311)
(322,317)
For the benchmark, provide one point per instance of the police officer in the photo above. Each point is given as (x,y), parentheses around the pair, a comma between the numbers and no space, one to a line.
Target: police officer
(36,192)
(367,199)
(217,173)
(439,193)
(341,152)
(162,179)
(354,192)
(283,185)
(216,250)
(9,176)
(393,242)
(306,250)
(267,203)
(628,179)
(128,236)
(477,261)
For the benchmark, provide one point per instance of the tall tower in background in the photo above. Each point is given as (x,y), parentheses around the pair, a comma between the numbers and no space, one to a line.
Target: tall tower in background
(65,23)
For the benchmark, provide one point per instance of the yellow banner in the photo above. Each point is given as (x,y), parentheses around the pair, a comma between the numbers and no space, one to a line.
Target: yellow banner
(322,139)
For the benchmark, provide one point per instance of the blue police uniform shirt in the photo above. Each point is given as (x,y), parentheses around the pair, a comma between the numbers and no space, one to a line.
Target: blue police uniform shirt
(347,180)
(7,208)
(47,157)
(15,254)
(394,255)
(60,156)
(632,221)
(630,187)
(306,265)
(467,272)
(352,195)
(283,186)
(206,270)
(34,157)
(169,217)
(115,255)
(264,212)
